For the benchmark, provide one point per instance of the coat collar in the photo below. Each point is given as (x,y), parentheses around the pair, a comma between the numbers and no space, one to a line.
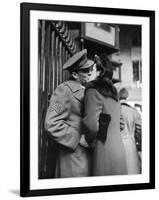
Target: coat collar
(77,90)
(74,86)
(105,87)
(123,101)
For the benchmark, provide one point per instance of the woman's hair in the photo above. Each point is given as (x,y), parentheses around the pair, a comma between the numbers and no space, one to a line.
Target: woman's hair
(104,83)
(104,66)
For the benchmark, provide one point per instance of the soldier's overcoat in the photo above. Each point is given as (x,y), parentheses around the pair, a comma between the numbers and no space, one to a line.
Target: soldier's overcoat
(132,118)
(63,123)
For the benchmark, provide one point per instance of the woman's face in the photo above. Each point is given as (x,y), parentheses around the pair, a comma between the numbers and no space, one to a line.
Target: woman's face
(95,73)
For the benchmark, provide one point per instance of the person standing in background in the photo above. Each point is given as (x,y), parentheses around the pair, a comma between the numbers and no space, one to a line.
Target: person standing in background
(131,132)
(64,117)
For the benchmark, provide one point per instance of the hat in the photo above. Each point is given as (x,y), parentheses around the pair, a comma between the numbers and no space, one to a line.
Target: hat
(78,61)
(104,65)
(123,94)
(104,61)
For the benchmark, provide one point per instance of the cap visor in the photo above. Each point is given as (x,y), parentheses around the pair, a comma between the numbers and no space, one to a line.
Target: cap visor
(88,64)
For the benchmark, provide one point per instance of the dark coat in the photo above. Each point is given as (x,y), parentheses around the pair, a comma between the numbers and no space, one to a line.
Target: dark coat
(109,156)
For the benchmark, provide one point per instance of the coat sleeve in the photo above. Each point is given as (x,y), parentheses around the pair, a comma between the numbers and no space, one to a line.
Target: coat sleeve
(57,116)
(93,107)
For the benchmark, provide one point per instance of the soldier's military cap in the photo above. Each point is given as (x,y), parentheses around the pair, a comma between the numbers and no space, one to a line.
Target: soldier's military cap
(78,61)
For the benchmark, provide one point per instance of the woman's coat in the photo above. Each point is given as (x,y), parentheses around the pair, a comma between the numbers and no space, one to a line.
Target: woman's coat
(108,157)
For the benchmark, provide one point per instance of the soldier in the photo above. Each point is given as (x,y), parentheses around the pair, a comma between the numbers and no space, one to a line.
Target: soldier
(132,129)
(64,117)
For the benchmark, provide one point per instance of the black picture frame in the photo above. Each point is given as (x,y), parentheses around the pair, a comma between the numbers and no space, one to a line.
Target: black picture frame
(25,9)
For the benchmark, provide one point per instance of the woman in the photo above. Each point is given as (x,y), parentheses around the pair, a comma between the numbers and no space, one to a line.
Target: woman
(102,122)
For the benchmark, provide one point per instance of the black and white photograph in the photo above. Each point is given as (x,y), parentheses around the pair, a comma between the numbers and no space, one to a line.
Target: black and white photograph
(89,73)
(87,88)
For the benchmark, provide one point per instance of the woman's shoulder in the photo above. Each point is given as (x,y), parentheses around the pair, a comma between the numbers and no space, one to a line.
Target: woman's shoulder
(104,88)
(91,93)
